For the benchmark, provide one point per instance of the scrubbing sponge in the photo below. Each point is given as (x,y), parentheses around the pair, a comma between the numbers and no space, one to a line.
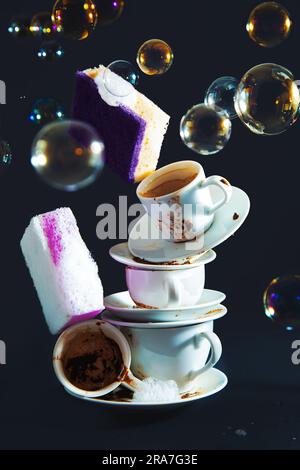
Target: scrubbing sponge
(63,271)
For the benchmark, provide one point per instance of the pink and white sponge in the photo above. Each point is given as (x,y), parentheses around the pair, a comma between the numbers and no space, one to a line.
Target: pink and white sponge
(63,271)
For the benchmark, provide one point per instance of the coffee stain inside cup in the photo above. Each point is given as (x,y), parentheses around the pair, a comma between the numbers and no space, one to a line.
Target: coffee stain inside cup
(91,361)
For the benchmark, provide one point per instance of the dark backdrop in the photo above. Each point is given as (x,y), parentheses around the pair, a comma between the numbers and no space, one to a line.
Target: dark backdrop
(209,40)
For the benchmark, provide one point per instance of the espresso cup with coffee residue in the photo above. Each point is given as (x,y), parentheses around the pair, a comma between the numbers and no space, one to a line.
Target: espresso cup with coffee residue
(92,359)
(177,198)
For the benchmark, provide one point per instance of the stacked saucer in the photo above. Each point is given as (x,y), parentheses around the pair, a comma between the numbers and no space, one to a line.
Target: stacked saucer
(167,314)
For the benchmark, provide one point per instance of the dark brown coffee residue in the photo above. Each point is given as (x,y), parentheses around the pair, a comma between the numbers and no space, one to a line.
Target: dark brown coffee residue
(165,263)
(235,216)
(92,361)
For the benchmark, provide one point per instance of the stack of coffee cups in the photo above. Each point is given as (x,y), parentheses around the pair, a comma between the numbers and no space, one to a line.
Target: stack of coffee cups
(166,314)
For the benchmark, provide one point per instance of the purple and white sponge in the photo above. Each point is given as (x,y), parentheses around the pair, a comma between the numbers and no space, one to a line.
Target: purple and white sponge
(132,127)
(64,273)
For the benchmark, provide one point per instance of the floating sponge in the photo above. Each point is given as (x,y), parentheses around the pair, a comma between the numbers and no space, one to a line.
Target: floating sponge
(132,127)
(63,271)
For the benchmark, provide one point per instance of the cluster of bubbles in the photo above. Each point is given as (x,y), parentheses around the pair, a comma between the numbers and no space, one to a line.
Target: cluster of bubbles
(75,18)
(282,301)
(67,155)
(42,27)
(206,127)
(154,57)
(266,100)
(46,110)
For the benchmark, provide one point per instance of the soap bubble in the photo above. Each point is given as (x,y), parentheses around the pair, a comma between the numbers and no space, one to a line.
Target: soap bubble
(5,154)
(267,99)
(155,57)
(123,69)
(109,10)
(50,50)
(67,155)
(282,300)
(205,129)
(42,25)
(46,110)
(221,93)
(76,18)
(19,27)
(269,24)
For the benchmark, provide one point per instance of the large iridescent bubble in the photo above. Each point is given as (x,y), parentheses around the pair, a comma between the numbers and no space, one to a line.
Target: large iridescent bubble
(269,24)
(282,300)
(75,18)
(67,155)
(155,57)
(267,99)
(221,93)
(205,129)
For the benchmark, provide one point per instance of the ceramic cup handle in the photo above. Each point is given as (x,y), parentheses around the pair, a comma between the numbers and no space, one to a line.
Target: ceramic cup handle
(225,187)
(174,293)
(215,350)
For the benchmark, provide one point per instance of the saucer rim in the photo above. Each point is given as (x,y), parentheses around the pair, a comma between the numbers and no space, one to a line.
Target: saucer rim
(162,325)
(162,310)
(222,383)
(129,261)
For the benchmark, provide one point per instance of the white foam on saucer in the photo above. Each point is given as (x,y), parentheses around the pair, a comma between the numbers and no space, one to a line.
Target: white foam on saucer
(156,391)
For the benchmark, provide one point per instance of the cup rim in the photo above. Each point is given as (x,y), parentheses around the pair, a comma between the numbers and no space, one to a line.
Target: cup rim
(160,171)
(108,330)
(153,270)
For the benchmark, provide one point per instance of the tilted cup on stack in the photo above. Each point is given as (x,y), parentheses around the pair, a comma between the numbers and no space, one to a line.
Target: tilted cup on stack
(167,315)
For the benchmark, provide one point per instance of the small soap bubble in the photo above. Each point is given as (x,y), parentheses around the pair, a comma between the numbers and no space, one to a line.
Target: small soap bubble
(282,300)
(42,25)
(50,51)
(75,18)
(155,57)
(123,69)
(221,93)
(109,10)
(46,110)
(205,129)
(267,99)
(269,24)
(68,155)
(19,27)
(5,154)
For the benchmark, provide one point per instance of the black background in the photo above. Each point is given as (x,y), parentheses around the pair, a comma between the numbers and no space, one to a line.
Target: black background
(209,40)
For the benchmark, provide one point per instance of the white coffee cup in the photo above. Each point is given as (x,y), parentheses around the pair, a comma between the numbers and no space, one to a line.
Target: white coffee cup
(165,288)
(178,353)
(126,378)
(187,212)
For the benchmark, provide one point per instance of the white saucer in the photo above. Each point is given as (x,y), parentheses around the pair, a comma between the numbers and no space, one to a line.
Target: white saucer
(210,382)
(226,222)
(123,307)
(216,312)
(122,254)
